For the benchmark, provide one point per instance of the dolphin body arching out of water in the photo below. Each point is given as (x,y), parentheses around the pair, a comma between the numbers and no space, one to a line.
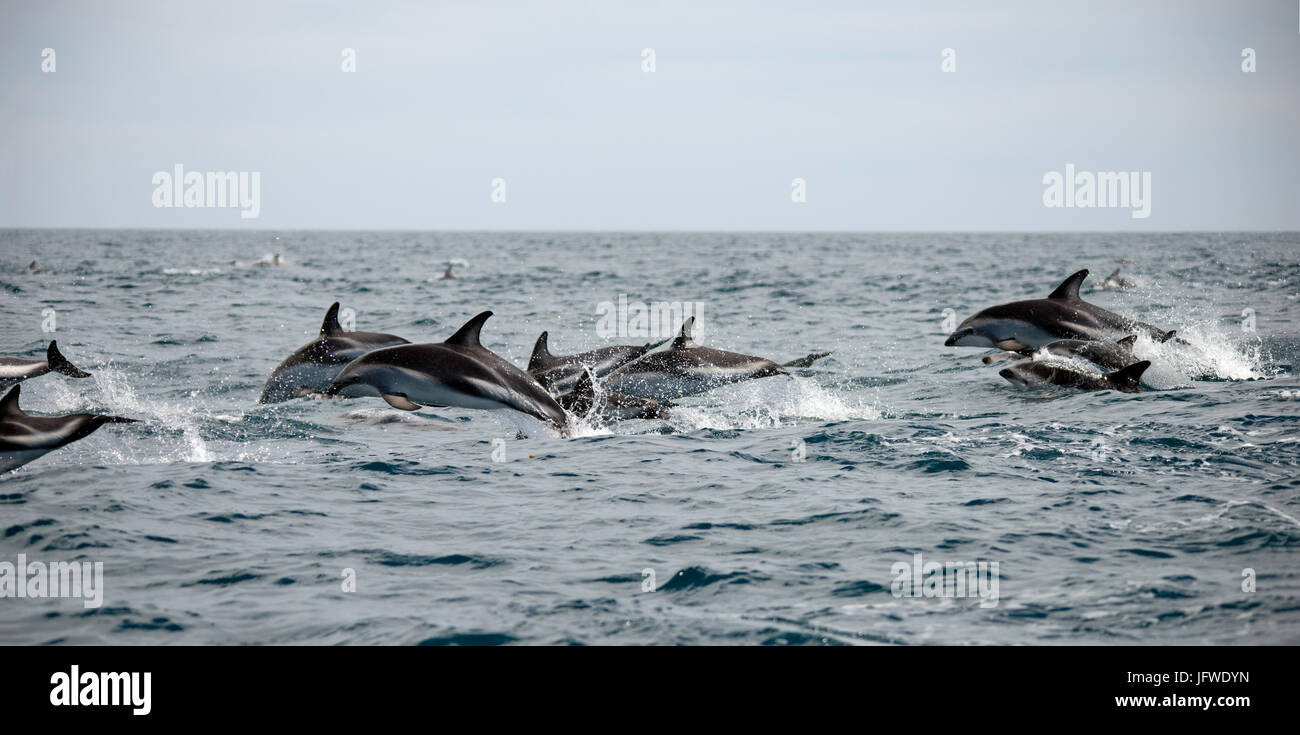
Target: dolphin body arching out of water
(1030,373)
(686,368)
(459,372)
(24,438)
(312,367)
(1034,323)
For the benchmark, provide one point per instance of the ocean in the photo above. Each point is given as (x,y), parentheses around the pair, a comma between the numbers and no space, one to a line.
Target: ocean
(787,510)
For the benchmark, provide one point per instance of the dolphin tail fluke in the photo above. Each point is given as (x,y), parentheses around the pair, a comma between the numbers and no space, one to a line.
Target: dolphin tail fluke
(806,360)
(1126,379)
(331,324)
(59,364)
(1069,288)
(541,353)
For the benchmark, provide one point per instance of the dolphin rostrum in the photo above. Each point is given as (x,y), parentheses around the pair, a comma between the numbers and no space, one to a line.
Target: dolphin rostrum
(14,370)
(24,438)
(312,367)
(1032,372)
(686,368)
(560,373)
(460,372)
(1036,322)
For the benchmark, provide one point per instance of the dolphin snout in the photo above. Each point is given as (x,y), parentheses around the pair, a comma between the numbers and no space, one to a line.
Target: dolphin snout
(957,335)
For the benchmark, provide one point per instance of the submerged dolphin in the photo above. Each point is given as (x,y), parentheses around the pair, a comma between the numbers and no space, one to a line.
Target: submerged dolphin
(1105,354)
(312,367)
(460,372)
(560,373)
(1037,373)
(687,368)
(583,401)
(24,438)
(1036,322)
(14,370)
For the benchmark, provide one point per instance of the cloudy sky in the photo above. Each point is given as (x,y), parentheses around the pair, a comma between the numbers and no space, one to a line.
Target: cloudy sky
(551,96)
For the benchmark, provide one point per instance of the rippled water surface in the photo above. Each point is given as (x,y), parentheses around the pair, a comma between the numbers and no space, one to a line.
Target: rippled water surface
(1114,518)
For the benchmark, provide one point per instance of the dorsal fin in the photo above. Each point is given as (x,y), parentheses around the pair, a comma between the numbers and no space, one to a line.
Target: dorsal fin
(1128,341)
(584,388)
(468,334)
(59,364)
(331,324)
(1169,335)
(1130,375)
(1069,288)
(9,404)
(684,340)
(541,353)
(1113,275)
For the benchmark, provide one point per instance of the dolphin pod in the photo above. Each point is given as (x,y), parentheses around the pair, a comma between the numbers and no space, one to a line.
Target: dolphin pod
(609,383)
(1062,325)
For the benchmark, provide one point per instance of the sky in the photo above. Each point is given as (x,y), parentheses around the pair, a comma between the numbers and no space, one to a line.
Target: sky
(553,98)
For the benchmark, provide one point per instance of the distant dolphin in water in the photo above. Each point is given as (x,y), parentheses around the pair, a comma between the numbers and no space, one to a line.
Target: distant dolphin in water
(1116,282)
(1036,322)
(584,402)
(1029,373)
(460,372)
(312,367)
(14,370)
(560,373)
(1104,354)
(686,368)
(24,438)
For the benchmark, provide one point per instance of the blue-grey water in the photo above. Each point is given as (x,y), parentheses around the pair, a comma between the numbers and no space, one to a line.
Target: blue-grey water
(1113,518)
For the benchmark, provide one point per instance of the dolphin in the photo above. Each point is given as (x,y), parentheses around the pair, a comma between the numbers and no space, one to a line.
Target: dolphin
(14,370)
(686,368)
(560,373)
(1034,323)
(583,401)
(312,367)
(460,372)
(1037,373)
(24,438)
(1116,282)
(1104,354)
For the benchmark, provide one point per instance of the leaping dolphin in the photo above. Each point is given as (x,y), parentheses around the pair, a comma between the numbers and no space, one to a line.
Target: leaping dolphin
(1036,322)
(460,372)
(24,438)
(312,367)
(560,373)
(686,368)
(14,370)
(1037,373)
(1104,354)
